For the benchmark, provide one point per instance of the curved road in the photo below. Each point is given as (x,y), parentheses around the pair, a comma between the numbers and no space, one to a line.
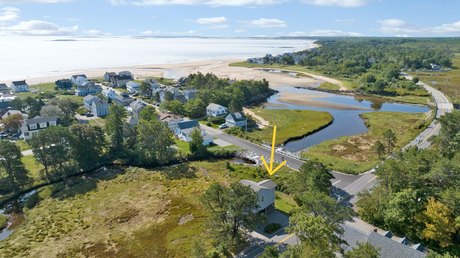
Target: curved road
(349,184)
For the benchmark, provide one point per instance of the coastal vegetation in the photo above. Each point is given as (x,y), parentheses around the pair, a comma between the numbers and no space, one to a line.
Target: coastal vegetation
(212,89)
(417,194)
(356,154)
(3,221)
(290,124)
(447,82)
(121,212)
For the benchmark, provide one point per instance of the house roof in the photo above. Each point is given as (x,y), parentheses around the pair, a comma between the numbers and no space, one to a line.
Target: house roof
(11,112)
(90,98)
(265,184)
(125,77)
(137,105)
(214,106)
(3,86)
(39,119)
(388,248)
(132,84)
(79,75)
(19,83)
(237,116)
(110,73)
(100,102)
(188,124)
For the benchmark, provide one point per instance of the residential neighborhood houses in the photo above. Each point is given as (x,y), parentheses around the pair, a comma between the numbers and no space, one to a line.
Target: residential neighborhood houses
(98,107)
(265,191)
(236,120)
(19,86)
(35,125)
(216,110)
(183,130)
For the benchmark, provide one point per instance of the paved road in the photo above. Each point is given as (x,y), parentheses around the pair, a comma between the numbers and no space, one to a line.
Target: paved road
(443,105)
(341,180)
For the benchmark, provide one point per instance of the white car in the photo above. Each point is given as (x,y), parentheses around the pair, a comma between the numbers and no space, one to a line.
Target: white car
(223,126)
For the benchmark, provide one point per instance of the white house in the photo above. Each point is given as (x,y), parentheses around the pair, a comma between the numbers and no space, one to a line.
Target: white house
(35,125)
(236,119)
(19,86)
(4,89)
(133,87)
(265,191)
(97,106)
(216,110)
(79,79)
(183,130)
(109,93)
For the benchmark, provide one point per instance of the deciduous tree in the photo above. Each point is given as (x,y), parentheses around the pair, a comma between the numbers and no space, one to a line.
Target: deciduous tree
(88,145)
(440,225)
(11,164)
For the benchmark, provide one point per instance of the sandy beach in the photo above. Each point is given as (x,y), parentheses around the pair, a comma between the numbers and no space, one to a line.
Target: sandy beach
(219,67)
(222,69)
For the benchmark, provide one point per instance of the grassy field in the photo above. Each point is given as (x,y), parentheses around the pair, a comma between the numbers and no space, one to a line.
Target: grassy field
(329,86)
(350,84)
(132,213)
(289,123)
(23,145)
(447,82)
(416,97)
(3,221)
(354,154)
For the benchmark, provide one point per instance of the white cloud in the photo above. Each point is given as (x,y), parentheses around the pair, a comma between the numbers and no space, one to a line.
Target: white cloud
(403,28)
(267,23)
(35,1)
(96,33)
(211,20)
(342,3)
(447,28)
(198,2)
(8,14)
(37,28)
(167,33)
(324,33)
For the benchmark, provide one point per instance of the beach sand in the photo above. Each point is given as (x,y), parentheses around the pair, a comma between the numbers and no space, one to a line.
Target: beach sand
(220,68)
(314,101)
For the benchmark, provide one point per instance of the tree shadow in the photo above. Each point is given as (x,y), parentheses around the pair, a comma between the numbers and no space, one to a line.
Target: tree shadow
(81,184)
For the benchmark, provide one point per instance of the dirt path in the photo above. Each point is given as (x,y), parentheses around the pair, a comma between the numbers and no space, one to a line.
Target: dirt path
(260,121)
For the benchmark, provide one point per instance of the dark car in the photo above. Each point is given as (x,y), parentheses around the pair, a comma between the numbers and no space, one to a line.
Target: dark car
(89,115)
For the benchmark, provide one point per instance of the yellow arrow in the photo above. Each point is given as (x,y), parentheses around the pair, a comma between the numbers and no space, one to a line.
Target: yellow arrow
(270,169)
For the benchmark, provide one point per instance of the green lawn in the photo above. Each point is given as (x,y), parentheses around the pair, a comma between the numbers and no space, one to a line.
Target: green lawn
(289,124)
(3,221)
(131,213)
(447,82)
(284,202)
(329,86)
(33,167)
(182,147)
(23,145)
(354,154)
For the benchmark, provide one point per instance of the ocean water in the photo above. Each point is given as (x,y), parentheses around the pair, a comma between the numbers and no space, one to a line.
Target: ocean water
(28,57)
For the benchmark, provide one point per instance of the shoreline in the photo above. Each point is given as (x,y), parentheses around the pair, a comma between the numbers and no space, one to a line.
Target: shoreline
(219,67)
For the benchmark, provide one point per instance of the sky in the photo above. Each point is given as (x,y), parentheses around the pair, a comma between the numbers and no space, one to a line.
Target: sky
(230,18)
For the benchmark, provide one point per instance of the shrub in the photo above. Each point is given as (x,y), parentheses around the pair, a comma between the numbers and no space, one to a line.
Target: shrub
(271,228)
(237,131)
(3,221)
(32,201)
(82,110)
(218,120)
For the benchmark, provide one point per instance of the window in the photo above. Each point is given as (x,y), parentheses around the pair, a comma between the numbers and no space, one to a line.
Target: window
(43,125)
(33,126)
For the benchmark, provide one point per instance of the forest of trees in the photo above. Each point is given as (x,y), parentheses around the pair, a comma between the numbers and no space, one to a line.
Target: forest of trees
(374,63)
(225,92)
(418,194)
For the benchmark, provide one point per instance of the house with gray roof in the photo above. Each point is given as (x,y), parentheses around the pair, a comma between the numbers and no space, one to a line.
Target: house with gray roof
(35,125)
(216,110)
(122,99)
(4,89)
(78,79)
(190,94)
(236,120)
(136,107)
(183,130)
(64,84)
(19,86)
(265,191)
(87,88)
(98,107)
(388,248)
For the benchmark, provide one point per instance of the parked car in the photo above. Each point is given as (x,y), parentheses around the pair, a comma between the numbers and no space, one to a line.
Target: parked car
(223,126)
(89,115)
